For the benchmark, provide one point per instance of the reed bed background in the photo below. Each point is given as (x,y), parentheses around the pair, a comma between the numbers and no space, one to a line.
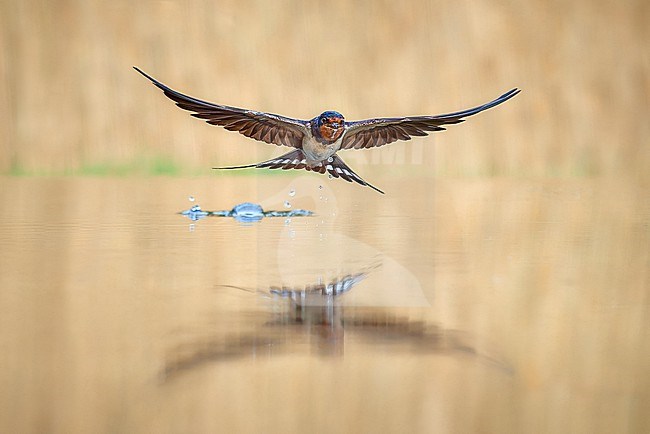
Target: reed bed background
(71,103)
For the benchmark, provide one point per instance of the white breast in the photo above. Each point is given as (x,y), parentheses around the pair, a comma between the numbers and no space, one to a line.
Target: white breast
(317,152)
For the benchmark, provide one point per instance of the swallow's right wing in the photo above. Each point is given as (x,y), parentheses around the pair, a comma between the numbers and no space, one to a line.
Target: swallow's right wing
(265,127)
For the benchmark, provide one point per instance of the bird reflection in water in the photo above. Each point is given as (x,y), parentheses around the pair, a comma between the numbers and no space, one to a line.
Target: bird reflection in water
(315,317)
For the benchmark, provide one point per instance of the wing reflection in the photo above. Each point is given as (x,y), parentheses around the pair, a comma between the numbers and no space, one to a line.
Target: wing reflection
(310,318)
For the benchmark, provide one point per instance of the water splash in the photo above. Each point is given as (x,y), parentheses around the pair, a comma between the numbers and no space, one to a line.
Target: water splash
(195,213)
(246,212)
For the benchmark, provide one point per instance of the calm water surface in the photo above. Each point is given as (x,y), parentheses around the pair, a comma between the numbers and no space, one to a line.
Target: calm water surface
(456,306)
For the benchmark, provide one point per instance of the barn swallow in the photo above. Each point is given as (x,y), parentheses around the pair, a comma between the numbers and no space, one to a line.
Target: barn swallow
(317,141)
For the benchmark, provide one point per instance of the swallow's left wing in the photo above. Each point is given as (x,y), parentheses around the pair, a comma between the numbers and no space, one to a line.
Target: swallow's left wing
(372,133)
(265,127)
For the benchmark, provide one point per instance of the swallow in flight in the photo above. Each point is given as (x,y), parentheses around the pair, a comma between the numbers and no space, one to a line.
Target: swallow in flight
(317,141)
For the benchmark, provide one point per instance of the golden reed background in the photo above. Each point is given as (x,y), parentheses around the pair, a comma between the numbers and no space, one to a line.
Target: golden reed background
(69,98)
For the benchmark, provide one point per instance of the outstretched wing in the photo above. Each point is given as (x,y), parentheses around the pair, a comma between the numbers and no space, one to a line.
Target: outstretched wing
(372,133)
(266,127)
(296,160)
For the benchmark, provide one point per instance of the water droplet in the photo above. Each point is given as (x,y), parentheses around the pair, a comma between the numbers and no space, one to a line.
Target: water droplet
(292,234)
(191,227)
(320,197)
(320,187)
(191,198)
(330,159)
(330,176)
(287,222)
(292,192)
(325,199)
(287,204)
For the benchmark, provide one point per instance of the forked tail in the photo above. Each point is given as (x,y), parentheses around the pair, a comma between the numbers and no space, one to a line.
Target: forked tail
(295,159)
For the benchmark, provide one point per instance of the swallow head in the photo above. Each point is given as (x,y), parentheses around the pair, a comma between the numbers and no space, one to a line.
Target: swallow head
(331,125)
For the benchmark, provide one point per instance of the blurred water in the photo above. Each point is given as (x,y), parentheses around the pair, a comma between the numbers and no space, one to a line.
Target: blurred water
(462,306)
